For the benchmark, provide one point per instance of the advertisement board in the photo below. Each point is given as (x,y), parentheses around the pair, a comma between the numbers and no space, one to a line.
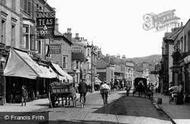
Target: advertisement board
(45,22)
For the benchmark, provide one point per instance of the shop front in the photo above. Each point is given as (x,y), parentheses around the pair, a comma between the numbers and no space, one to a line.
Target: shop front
(21,70)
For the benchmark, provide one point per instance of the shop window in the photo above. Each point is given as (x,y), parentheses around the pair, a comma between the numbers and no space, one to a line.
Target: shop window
(3,31)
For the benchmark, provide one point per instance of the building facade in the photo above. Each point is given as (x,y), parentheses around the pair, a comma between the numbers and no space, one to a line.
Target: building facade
(10,32)
(60,50)
(18,30)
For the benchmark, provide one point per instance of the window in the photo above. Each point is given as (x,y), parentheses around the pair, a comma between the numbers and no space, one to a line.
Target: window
(39,46)
(29,7)
(28,37)
(32,38)
(3,30)
(25,5)
(25,43)
(64,62)
(22,4)
(14,4)
(13,35)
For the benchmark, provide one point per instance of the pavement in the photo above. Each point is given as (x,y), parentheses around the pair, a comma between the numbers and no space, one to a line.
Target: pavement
(179,114)
(32,106)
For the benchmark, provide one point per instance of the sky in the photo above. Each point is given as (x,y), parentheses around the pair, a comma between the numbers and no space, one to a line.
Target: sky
(116,26)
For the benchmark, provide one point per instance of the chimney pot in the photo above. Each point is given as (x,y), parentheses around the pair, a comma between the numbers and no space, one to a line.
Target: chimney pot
(77,35)
(68,30)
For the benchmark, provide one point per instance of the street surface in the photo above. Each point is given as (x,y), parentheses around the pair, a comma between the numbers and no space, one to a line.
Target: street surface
(121,109)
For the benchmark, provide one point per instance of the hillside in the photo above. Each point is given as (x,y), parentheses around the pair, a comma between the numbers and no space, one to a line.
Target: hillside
(152,60)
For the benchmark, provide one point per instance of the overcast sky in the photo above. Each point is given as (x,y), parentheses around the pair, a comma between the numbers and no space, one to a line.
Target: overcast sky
(117,25)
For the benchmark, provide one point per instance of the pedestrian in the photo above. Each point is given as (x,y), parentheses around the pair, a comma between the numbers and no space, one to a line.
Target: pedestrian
(13,93)
(128,88)
(24,95)
(104,90)
(83,88)
(180,93)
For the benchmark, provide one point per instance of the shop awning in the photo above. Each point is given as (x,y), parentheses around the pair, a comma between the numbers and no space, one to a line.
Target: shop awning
(62,72)
(48,72)
(20,64)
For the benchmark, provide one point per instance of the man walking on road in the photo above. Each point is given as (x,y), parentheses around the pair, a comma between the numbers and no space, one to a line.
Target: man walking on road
(83,89)
(104,90)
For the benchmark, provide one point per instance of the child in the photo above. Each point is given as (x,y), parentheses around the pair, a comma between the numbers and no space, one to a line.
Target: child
(24,95)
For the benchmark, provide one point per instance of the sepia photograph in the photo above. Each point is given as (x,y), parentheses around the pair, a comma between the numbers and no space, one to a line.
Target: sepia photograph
(94,62)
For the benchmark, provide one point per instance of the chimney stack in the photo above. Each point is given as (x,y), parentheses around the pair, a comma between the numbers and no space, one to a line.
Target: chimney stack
(68,30)
(77,36)
(68,34)
(181,24)
(56,24)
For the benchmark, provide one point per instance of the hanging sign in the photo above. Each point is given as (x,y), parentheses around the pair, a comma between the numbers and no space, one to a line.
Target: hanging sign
(45,22)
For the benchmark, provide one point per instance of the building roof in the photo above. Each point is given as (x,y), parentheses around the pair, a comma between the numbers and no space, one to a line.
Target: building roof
(173,35)
(59,35)
(101,64)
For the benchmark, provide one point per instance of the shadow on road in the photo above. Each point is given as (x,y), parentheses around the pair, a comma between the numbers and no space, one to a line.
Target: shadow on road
(132,106)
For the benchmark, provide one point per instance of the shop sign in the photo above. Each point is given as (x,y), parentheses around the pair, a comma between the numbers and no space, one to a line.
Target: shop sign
(45,23)
(55,49)
(76,49)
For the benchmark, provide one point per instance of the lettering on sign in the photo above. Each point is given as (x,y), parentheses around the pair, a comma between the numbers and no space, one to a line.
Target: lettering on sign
(45,23)
(55,49)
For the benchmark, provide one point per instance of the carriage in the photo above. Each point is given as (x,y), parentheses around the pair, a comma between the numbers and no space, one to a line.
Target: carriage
(140,79)
(60,93)
(141,86)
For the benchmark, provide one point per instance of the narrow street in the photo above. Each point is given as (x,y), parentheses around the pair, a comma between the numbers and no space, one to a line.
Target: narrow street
(121,109)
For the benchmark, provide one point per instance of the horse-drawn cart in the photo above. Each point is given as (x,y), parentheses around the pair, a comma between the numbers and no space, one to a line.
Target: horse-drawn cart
(142,87)
(61,94)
